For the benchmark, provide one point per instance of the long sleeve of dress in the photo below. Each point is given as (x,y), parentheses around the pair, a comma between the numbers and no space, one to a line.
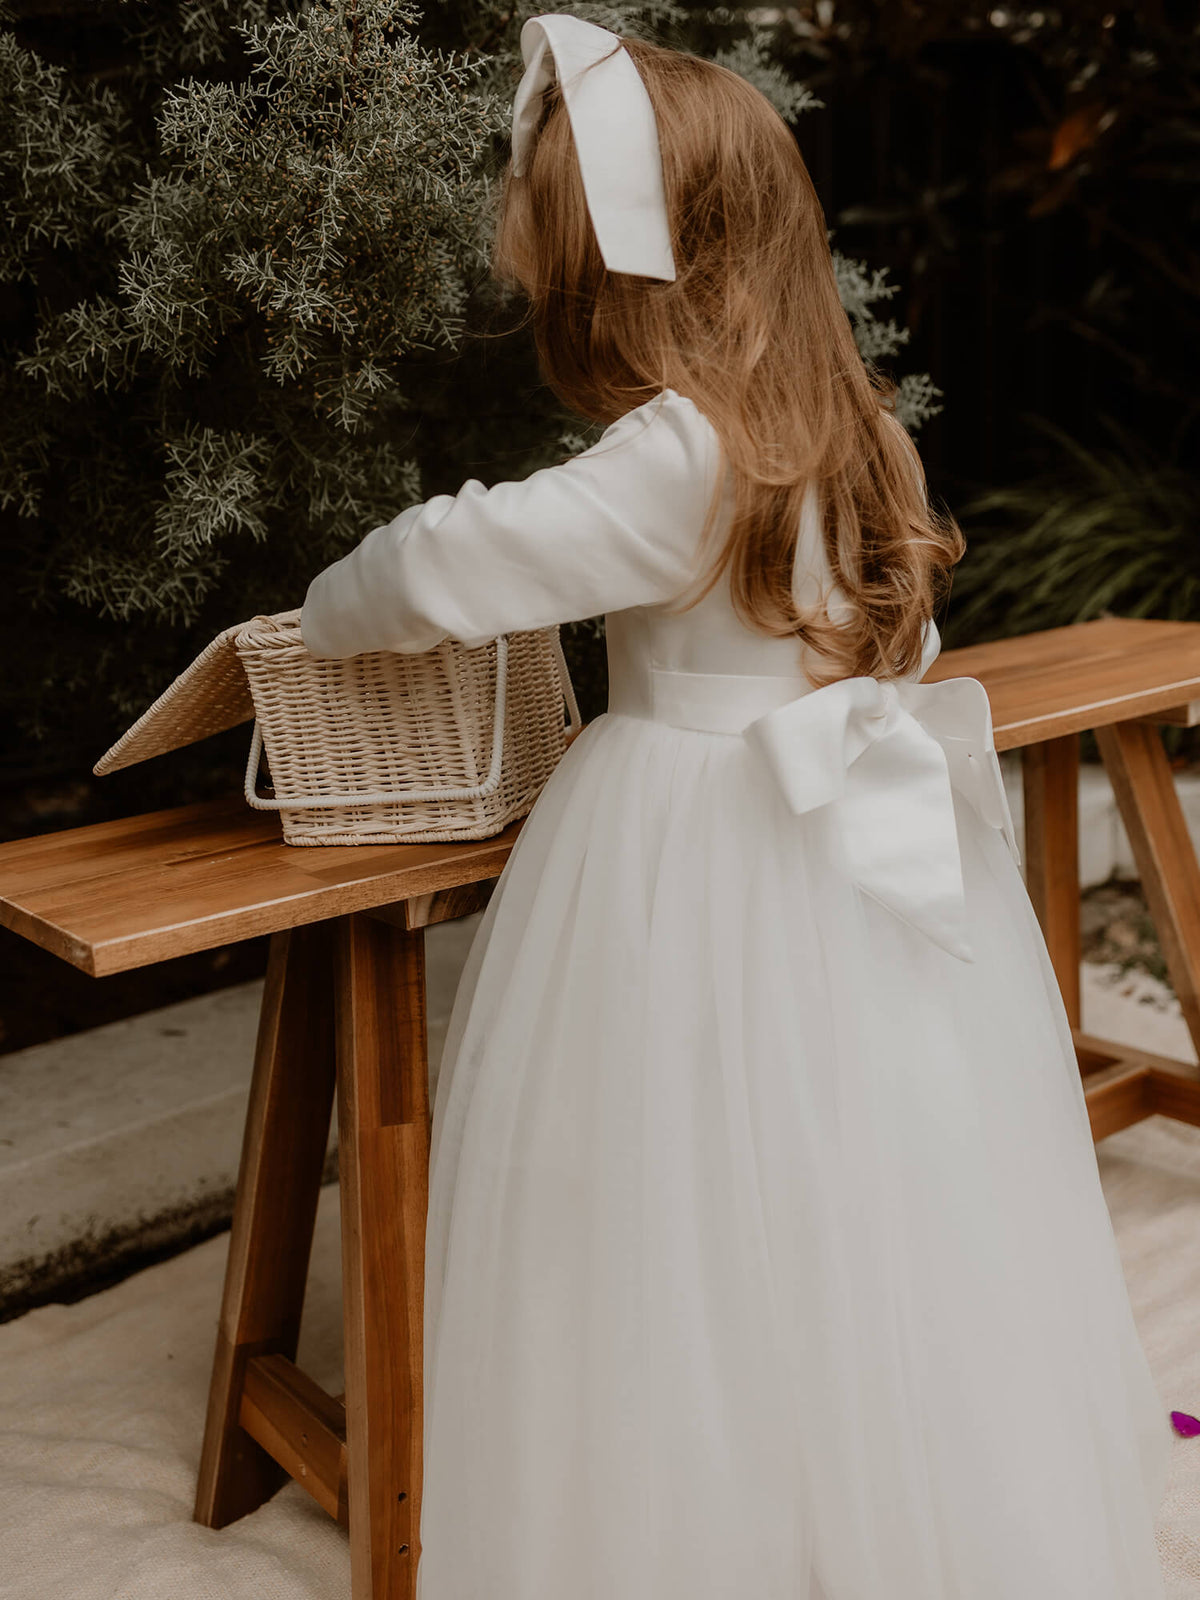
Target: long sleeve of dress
(616,526)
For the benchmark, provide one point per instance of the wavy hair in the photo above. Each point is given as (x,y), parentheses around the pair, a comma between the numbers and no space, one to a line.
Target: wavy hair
(753,332)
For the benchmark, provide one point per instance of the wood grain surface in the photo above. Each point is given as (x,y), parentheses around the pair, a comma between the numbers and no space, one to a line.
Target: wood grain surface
(122,894)
(383,1153)
(1050,780)
(1162,849)
(283,1152)
(300,1427)
(1044,685)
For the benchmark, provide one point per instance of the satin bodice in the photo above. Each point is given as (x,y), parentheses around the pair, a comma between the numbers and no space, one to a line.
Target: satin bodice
(702,670)
(705,667)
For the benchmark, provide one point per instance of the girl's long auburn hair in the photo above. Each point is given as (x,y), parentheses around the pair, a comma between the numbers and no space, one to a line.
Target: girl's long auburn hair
(753,332)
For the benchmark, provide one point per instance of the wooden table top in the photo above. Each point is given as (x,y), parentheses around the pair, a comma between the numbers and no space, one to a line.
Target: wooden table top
(123,894)
(117,895)
(1064,680)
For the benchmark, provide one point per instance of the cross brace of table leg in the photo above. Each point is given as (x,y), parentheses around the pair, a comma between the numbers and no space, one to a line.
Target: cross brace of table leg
(1123,1085)
(300,1426)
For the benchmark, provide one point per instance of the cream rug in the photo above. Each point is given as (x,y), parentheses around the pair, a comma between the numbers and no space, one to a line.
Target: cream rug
(101,1406)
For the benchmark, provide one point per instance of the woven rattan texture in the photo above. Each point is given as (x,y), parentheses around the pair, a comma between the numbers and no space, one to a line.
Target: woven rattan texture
(387,722)
(378,723)
(207,697)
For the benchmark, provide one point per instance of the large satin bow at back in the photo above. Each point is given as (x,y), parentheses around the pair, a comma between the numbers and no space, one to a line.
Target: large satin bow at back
(888,755)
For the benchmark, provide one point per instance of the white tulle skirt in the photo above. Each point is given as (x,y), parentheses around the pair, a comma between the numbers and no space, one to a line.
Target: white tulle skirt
(767,1255)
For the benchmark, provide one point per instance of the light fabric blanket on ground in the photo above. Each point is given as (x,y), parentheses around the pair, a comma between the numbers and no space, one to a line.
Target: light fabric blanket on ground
(102,1405)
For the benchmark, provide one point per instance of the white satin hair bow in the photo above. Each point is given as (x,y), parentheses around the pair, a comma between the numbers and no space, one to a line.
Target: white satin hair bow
(888,755)
(615,134)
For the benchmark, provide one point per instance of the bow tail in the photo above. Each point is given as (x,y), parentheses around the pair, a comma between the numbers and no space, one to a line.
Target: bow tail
(1003,818)
(975,771)
(900,835)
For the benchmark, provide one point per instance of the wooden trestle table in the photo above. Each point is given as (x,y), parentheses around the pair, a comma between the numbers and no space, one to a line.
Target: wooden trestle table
(343,1012)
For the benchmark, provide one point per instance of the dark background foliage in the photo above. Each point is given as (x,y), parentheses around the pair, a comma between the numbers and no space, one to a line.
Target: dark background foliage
(246,316)
(1032,177)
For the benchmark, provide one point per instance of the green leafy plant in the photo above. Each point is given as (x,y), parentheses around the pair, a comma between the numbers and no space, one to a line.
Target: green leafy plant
(257,316)
(1097,531)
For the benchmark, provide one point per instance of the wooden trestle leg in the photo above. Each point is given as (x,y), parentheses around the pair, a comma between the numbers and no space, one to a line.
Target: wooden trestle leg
(383,1142)
(1050,774)
(283,1152)
(1162,848)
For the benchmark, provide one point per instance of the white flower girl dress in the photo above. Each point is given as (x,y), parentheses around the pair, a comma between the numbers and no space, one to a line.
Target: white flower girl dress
(767,1255)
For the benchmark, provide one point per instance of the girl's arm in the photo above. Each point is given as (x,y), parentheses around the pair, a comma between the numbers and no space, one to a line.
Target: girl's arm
(616,526)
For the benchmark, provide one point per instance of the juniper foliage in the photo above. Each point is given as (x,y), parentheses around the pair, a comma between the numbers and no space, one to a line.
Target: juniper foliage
(257,318)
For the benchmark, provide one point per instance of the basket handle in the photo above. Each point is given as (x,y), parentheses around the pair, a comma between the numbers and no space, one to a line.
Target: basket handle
(477,791)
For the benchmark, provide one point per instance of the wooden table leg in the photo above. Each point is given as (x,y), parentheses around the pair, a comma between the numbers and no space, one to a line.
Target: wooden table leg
(383,1143)
(283,1153)
(1162,848)
(1050,773)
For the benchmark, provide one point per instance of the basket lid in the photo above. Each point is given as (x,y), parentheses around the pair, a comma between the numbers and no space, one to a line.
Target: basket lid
(206,698)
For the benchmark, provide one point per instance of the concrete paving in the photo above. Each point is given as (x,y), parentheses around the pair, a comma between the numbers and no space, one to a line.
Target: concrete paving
(1134,1009)
(122,1141)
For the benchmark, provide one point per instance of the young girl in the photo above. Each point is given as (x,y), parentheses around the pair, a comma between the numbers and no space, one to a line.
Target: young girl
(767,1257)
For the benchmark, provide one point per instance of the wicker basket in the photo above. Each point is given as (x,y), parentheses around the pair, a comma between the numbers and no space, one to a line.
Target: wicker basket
(453,743)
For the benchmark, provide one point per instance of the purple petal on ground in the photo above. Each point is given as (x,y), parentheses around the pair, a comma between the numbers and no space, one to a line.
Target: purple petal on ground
(1188,1427)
